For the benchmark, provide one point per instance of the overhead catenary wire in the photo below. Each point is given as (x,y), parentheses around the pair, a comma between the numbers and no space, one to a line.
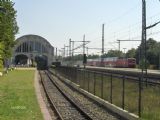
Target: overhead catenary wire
(129,32)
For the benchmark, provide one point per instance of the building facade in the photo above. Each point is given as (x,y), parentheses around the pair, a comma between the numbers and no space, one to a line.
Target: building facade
(28,47)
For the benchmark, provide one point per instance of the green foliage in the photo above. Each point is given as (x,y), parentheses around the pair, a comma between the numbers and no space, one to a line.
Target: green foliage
(131,53)
(93,56)
(8,28)
(114,53)
(152,52)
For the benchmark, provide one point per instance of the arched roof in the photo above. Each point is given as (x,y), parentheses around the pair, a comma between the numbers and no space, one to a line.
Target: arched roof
(32,43)
(25,37)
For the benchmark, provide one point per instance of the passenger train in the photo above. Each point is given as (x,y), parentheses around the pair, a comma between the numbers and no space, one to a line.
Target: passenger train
(113,62)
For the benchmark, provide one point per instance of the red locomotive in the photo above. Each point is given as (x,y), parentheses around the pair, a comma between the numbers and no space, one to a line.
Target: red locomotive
(113,62)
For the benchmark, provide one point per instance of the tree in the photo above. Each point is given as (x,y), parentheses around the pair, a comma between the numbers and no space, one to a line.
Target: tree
(8,28)
(131,53)
(114,53)
(93,56)
(152,52)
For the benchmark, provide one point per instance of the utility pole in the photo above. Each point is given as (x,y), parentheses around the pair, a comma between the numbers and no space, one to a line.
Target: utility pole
(139,57)
(72,48)
(143,51)
(64,51)
(69,47)
(144,38)
(119,42)
(56,53)
(143,42)
(102,39)
(83,44)
(102,45)
(84,55)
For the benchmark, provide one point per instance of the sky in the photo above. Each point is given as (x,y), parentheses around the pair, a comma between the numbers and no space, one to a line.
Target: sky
(59,20)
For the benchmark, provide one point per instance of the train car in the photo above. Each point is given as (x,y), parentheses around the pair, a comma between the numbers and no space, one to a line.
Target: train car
(90,62)
(110,61)
(122,63)
(131,62)
(113,62)
(126,63)
(42,62)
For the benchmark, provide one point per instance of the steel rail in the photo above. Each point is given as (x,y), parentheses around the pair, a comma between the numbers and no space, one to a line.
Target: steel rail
(69,99)
(53,107)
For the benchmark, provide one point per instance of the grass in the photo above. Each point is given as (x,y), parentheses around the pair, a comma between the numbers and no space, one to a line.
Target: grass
(17,96)
(1,69)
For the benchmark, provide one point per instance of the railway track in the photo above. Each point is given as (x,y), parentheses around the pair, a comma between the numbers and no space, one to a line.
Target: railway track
(65,108)
(71,105)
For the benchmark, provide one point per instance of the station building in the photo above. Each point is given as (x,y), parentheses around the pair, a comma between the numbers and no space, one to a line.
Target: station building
(28,47)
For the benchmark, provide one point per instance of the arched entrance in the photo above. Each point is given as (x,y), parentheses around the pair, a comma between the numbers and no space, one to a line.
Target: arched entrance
(21,59)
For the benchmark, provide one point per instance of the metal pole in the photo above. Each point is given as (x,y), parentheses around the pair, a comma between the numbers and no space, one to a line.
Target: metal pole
(72,48)
(124,58)
(144,36)
(119,44)
(84,50)
(143,52)
(102,39)
(69,47)
(67,50)
(139,55)
(143,44)
(83,44)
(56,53)
(64,51)
(102,45)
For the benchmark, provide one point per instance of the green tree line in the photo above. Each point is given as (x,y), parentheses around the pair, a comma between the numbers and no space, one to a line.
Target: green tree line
(8,29)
